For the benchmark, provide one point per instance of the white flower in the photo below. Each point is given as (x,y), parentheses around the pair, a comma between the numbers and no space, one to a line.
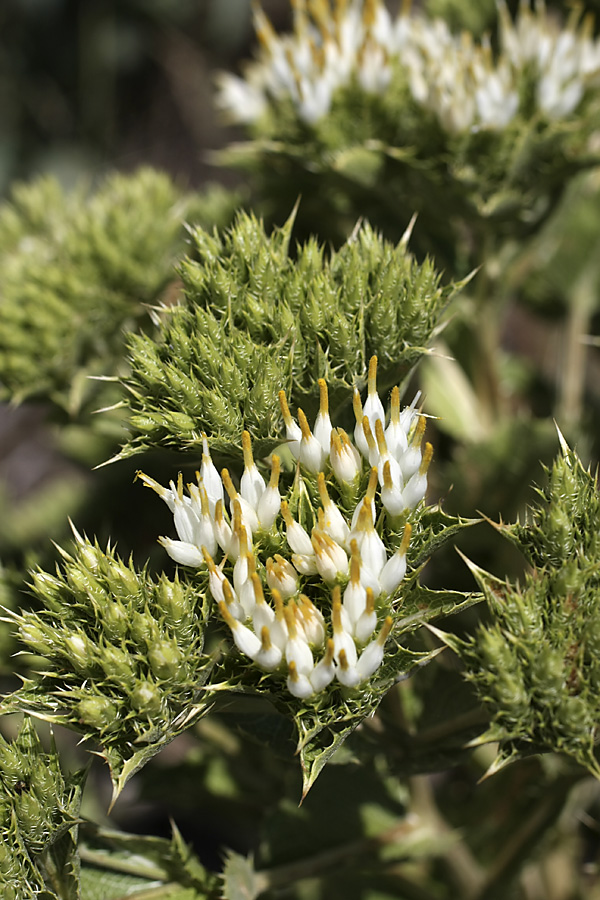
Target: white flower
(464,83)
(273,607)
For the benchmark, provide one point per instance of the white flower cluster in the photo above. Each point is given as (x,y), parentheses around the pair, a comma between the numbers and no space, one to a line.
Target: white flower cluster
(461,82)
(343,553)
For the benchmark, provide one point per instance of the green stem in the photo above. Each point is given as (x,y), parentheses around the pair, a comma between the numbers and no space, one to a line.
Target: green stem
(571,375)
(463,869)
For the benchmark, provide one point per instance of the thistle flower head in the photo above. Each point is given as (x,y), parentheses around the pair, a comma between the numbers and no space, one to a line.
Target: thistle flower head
(309,611)
(336,45)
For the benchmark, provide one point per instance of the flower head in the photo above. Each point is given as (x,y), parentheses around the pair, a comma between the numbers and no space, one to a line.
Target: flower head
(309,611)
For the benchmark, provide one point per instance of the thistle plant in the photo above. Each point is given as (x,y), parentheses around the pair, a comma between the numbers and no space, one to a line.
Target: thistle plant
(534,665)
(447,127)
(255,316)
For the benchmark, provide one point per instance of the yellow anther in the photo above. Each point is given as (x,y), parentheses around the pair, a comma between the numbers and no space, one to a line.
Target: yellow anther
(355,562)
(321,519)
(427,457)
(275,471)
(387,476)
(285,512)
(343,660)
(201,490)
(329,650)
(323,397)
(180,486)
(336,609)
(258,588)
(228,484)
(405,539)
(285,410)
(370,603)
(336,443)
(264,30)
(278,603)
(290,619)
(419,432)
(238,522)
(385,630)
(325,498)
(227,615)
(369,435)
(228,593)
(371,487)
(364,521)
(304,426)
(357,406)
(395,406)
(265,638)
(247,450)
(380,436)
(293,671)
(372,379)
(219,517)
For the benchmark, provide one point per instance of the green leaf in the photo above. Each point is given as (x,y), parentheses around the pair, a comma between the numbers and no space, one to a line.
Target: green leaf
(240,879)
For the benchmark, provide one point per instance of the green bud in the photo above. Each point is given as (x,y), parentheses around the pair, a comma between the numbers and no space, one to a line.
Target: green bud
(146,697)
(98,712)
(117,663)
(165,658)
(559,529)
(31,814)
(79,651)
(115,619)
(32,634)
(172,600)
(144,629)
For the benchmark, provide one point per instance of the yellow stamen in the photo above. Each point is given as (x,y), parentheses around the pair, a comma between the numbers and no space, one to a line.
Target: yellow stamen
(227,615)
(380,436)
(369,435)
(395,406)
(228,593)
(247,450)
(285,410)
(275,471)
(278,603)
(285,512)
(357,406)
(419,432)
(180,486)
(372,486)
(427,457)
(405,539)
(372,379)
(336,609)
(228,484)
(304,426)
(343,660)
(385,630)
(293,671)
(387,476)
(355,562)
(258,589)
(325,498)
(323,397)
(370,602)
(265,638)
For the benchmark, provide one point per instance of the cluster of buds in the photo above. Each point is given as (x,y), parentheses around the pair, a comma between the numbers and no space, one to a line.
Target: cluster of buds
(332,590)
(463,83)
